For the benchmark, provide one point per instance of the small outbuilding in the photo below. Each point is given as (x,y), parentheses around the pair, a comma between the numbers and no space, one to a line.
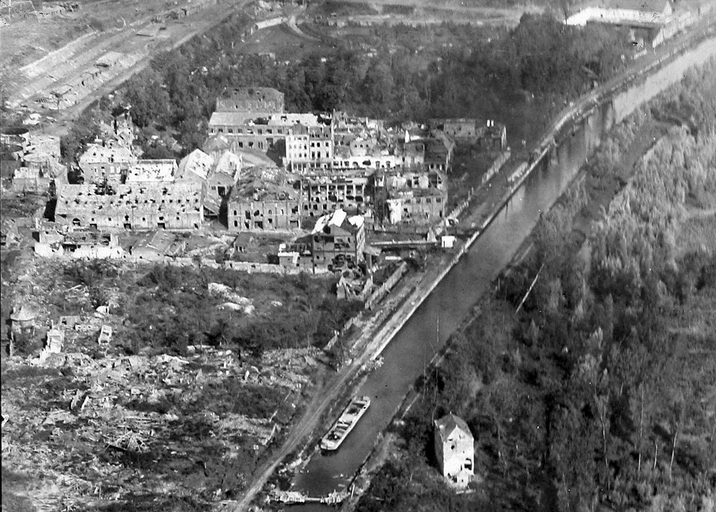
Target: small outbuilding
(454,450)
(22,322)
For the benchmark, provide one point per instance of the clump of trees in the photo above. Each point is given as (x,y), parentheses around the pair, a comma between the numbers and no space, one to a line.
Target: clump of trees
(598,390)
(174,309)
(402,80)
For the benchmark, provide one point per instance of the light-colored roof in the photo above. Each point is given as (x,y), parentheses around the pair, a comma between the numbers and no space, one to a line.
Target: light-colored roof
(197,162)
(338,218)
(229,163)
(448,424)
(230,118)
(23,314)
(97,153)
(153,170)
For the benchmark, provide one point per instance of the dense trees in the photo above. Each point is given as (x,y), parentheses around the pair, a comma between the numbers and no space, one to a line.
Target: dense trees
(415,73)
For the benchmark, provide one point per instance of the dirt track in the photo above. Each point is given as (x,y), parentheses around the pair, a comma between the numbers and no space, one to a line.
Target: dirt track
(130,50)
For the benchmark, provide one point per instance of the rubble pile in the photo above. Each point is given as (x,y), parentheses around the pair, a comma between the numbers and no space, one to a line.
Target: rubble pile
(121,426)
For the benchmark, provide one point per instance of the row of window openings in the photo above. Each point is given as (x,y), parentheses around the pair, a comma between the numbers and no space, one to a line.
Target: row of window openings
(260,131)
(136,201)
(429,200)
(126,219)
(313,155)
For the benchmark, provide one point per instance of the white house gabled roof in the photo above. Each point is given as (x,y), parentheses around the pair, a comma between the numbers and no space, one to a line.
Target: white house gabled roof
(449,424)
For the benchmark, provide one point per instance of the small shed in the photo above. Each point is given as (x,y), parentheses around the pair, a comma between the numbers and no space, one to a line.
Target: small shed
(55,340)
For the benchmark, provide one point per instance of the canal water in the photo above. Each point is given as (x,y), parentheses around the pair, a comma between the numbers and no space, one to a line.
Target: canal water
(445,309)
(453,299)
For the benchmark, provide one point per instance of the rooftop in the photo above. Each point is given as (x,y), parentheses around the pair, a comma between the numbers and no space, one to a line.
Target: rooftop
(153,170)
(448,424)
(338,218)
(198,163)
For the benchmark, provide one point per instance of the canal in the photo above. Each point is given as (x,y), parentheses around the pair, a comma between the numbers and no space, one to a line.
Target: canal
(445,309)
(453,299)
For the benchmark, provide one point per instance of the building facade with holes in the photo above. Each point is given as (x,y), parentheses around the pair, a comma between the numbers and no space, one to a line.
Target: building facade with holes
(139,205)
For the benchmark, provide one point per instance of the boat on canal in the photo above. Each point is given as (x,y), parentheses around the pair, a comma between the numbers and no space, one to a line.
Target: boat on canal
(348,419)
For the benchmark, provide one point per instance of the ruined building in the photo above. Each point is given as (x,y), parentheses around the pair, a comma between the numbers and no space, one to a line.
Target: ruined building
(105,161)
(76,242)
(39,163)
(255,100)
(322,193)
(410,196)
(309,148)
(489,135)
(254,117)
(267,208)
(137,205)
(258,133)
(338,240)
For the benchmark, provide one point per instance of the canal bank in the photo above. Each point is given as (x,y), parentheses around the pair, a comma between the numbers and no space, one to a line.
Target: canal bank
(501,225)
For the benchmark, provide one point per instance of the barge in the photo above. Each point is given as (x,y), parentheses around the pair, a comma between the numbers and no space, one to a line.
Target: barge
(348,419)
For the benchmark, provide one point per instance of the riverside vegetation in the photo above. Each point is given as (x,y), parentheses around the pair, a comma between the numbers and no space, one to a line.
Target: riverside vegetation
(600,391)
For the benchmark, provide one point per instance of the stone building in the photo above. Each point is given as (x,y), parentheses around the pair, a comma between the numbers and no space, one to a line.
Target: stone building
(456,128)
(410,196)
(255,118)
(322,193)
(75,242)
(258,133)
(137,205)
(454,450)
(39,163)
(439,151)
(309,148)
(267,208)
(338,240)
(105,162)
(257,100)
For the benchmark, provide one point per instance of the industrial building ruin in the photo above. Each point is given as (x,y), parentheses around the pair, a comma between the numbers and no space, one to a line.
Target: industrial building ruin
(137,205)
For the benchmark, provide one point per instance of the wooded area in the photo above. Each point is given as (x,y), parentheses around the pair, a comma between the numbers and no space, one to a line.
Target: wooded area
(403,79)
(601,390)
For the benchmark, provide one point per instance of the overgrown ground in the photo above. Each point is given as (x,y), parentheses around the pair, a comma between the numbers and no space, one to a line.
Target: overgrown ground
(192,392)
(600,390)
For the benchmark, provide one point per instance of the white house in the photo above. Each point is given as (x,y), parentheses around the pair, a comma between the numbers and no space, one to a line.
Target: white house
(455,450)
